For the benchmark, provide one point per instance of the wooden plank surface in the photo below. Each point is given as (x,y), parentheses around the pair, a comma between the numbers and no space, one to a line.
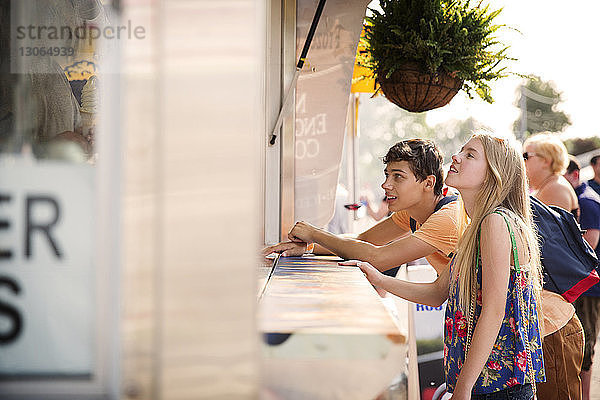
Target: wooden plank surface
(316,295)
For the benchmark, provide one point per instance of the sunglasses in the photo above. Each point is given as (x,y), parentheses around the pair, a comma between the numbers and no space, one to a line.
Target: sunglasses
(529,154)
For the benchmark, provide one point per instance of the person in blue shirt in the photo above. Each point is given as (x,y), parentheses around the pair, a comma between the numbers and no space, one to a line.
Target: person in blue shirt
(587,306)
(594,183)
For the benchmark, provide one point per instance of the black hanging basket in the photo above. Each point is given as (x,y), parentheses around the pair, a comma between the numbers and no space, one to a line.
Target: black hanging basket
(413,90)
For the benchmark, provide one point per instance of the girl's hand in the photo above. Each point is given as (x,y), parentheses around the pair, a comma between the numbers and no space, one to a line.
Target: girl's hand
(373,275)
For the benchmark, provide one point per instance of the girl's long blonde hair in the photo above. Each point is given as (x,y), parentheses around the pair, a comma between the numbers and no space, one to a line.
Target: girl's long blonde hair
(505,186)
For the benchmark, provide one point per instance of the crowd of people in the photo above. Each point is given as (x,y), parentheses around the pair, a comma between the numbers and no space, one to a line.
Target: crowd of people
(506,337)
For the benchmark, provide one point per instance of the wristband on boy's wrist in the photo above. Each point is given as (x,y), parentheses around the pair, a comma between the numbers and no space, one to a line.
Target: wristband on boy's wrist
(310,247)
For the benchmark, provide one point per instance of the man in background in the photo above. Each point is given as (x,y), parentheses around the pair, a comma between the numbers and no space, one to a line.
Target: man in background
(594,183)
(587,306)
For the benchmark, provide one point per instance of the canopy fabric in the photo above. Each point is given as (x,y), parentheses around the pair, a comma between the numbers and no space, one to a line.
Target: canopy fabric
(362,80)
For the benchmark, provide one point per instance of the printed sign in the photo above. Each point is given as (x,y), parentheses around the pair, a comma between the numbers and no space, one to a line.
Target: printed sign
(47,285)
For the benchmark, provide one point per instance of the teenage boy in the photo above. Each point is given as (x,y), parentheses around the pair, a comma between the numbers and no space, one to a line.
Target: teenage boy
(587,306)
(413,188)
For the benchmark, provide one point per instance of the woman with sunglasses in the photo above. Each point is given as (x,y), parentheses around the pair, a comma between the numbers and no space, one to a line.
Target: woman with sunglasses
(546,159)
(492,344)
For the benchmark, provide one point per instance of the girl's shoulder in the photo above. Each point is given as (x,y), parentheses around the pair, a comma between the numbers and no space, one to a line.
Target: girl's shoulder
(499,224)
(499,216)
(504,216)
(503,224)
(495,222)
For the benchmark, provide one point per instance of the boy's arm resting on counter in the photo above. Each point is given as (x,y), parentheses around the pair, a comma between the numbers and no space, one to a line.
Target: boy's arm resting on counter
(383,257)
(381,233)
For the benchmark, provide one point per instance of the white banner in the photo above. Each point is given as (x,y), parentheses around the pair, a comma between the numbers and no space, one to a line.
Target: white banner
(322,95)
(47,277)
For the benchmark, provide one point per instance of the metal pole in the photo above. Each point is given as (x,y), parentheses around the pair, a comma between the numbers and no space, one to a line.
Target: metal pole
(288,95)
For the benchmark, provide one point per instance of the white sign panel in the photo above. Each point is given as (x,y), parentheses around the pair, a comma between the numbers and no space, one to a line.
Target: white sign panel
(322,95)
(47,307)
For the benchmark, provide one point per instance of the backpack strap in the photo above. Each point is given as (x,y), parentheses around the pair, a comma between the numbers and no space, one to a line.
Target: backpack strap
(443,201)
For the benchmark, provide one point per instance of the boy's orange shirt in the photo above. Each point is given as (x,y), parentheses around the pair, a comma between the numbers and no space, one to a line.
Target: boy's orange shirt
(440,231)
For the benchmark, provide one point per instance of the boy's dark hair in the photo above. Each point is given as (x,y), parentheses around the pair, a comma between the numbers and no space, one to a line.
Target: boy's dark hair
(594,160)
(573,165)
(424,158)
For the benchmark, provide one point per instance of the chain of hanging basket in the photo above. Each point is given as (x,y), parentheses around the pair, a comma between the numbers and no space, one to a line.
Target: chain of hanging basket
(413,90)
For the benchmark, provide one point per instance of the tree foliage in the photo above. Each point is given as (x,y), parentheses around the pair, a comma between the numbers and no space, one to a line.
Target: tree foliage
(541,99)
(578,146)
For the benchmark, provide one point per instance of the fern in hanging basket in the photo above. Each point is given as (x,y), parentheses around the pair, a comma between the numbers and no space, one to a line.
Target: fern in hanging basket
(422,52)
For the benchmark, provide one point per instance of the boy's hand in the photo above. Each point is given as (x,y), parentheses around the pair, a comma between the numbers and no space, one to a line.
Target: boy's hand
(372,274)
(287,249)
(302,232)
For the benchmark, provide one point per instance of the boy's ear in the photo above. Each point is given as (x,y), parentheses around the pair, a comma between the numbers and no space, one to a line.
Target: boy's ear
(430,182)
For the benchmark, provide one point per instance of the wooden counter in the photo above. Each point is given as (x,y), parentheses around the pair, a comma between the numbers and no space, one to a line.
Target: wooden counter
(326,332)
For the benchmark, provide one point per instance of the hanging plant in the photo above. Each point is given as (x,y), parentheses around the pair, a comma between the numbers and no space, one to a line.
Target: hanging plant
(422,52)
